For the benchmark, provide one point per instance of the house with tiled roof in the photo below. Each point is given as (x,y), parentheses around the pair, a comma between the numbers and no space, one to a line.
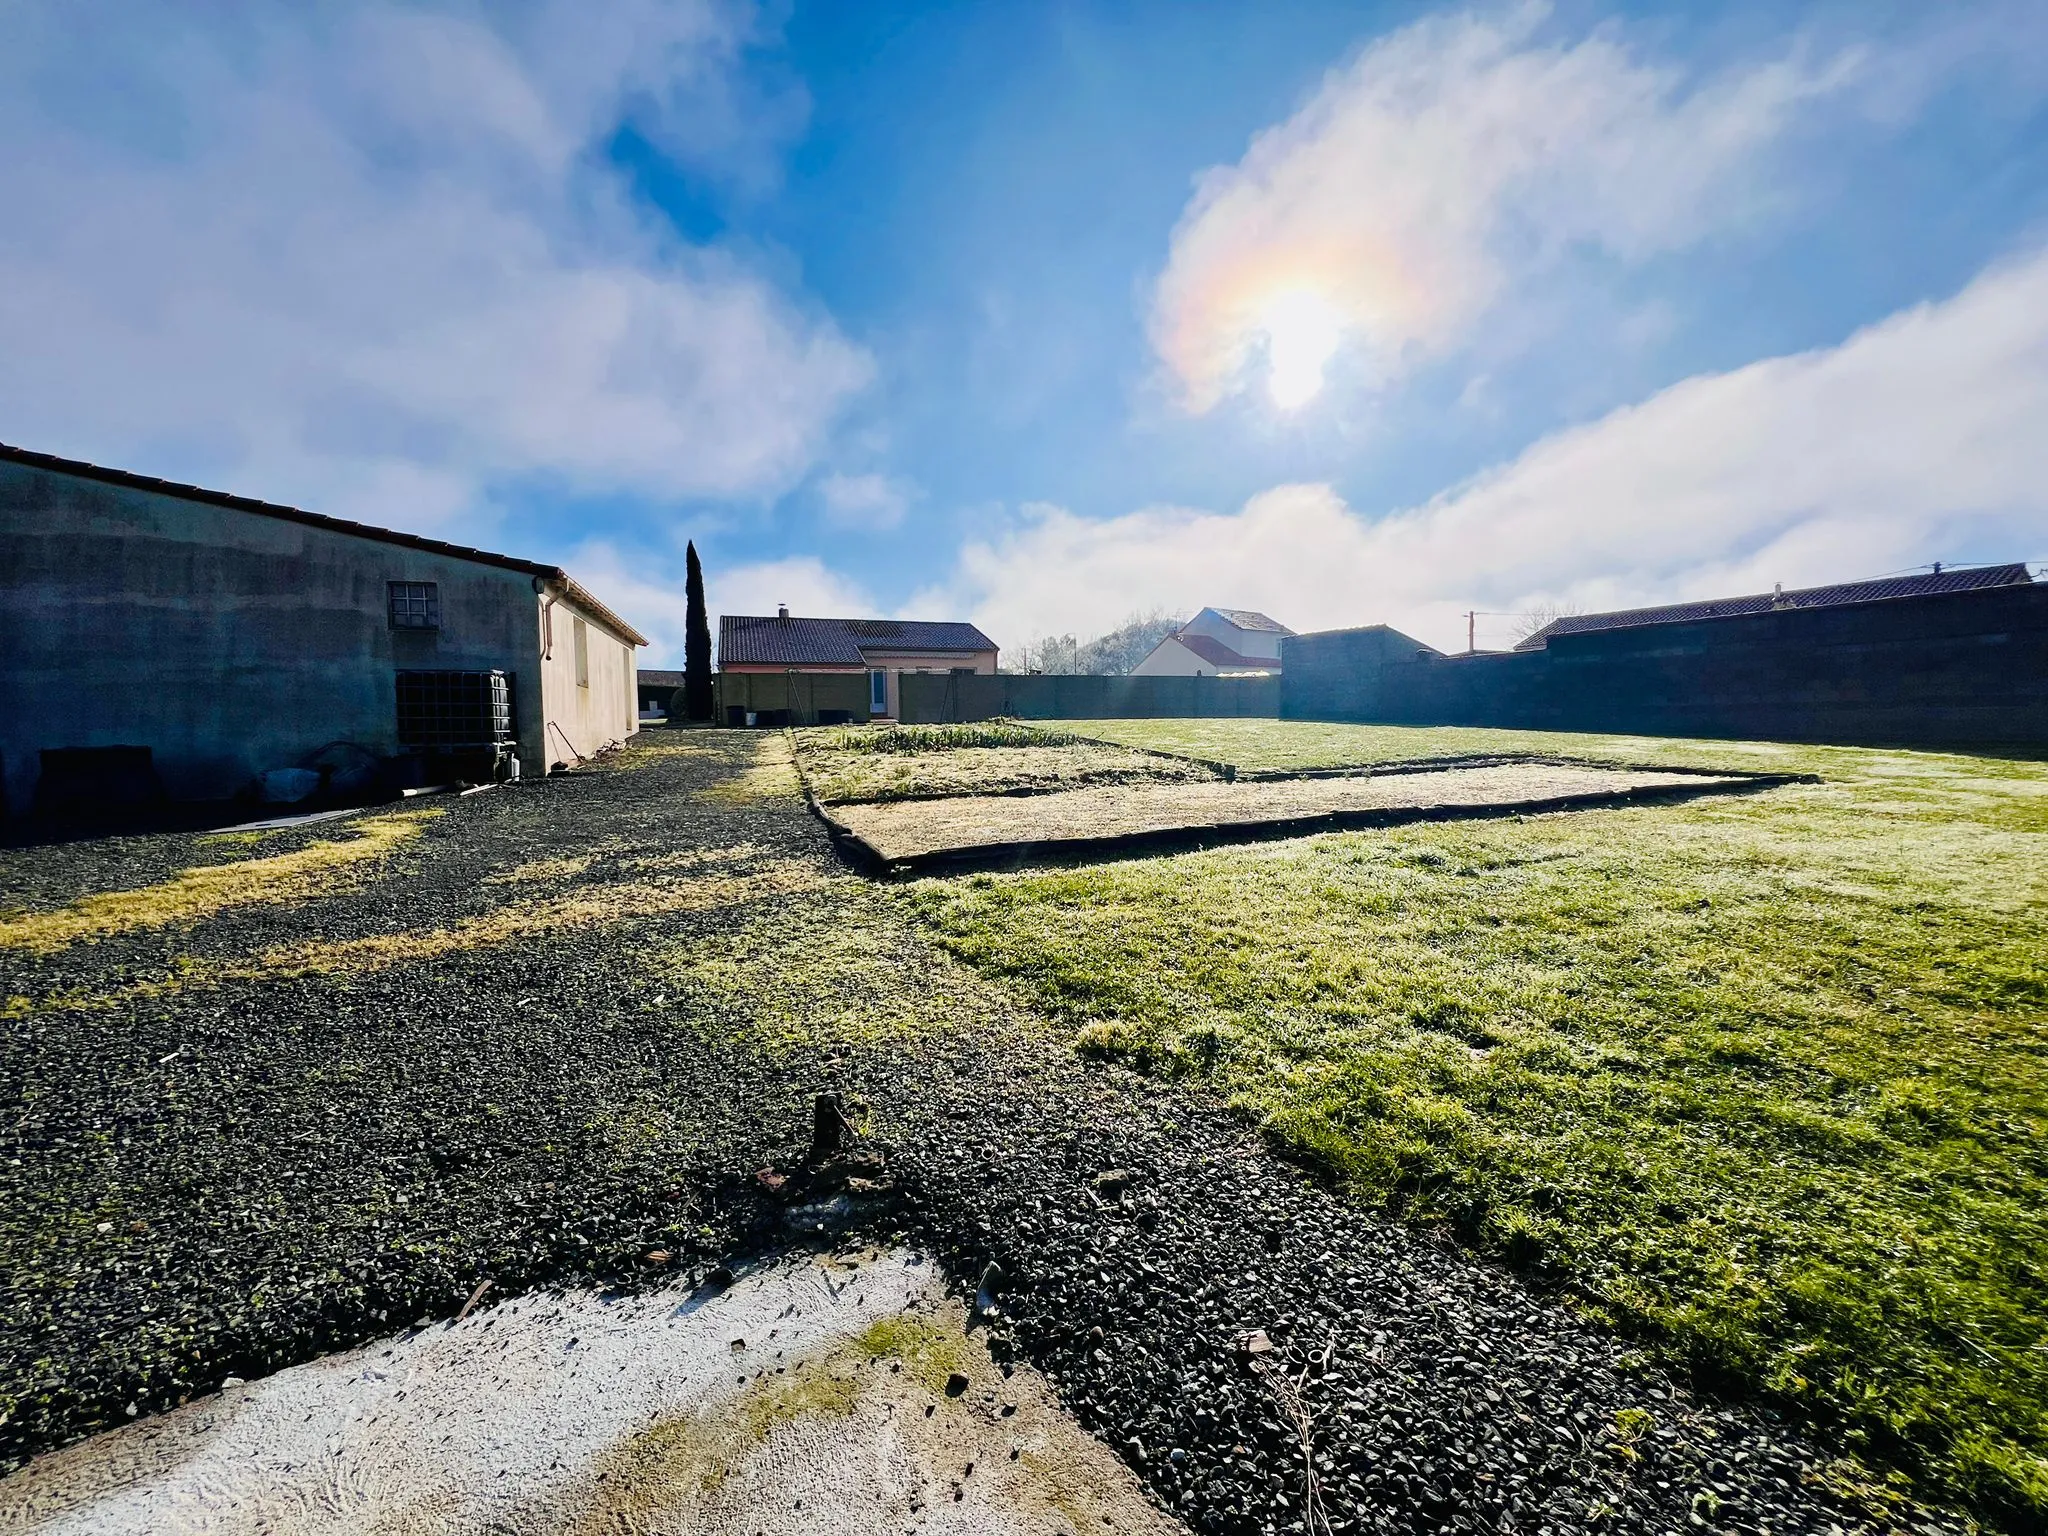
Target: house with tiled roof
(882,649)
(1218,642)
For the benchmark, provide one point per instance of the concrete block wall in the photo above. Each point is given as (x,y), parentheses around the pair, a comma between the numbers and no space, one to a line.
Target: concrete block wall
(1957,669)
(937,699)
(225,642)
(804,694)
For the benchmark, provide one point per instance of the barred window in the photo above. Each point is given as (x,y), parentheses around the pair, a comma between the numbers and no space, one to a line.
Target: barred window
(415,605)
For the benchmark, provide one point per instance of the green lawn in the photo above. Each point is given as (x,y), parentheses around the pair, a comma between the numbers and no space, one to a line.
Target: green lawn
(1764,1080)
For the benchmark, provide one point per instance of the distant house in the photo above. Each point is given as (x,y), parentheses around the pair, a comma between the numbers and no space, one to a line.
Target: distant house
(166,642)
(1924,584)
(882,650)
(1218,642)
(657,687)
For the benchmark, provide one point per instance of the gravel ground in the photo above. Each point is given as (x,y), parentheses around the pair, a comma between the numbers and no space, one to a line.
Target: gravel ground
(216,1163)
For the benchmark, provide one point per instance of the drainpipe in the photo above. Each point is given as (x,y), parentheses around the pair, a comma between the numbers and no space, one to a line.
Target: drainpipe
(546,589)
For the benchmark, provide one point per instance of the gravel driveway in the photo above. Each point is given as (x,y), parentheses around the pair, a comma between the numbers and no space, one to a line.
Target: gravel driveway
(559,1030)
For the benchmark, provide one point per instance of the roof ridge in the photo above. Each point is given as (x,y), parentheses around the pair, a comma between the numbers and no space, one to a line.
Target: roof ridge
(1826,595)
(81,469)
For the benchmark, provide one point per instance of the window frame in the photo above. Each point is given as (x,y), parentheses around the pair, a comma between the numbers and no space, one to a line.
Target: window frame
(582,653)
(412,605)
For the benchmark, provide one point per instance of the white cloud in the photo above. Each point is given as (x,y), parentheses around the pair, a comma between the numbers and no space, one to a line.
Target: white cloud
(1918,438)
(870,502)
(1432,171)
(374,259)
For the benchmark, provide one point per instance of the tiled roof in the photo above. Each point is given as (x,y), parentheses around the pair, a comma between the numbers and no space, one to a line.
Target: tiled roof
(1970,580)
(1217,654)
(744,638)
(1244,618)
(655,677)
(576,592)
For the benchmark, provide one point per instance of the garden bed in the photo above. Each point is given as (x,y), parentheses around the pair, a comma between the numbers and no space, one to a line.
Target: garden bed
(1107,817)
(890,763)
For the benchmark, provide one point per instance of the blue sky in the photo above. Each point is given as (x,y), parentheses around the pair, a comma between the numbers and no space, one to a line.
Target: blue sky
(1045,314)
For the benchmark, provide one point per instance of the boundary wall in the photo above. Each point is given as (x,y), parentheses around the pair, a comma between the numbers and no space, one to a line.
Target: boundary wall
(934,698)
(1956,669)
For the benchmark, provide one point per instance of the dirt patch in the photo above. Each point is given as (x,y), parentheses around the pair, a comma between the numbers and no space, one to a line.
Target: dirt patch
(931,828)
(819,1394)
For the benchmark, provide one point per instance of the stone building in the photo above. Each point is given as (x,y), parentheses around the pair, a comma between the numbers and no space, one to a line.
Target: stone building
(164,641)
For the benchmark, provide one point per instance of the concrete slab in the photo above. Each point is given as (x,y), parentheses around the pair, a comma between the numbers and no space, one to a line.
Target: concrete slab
(810,1396)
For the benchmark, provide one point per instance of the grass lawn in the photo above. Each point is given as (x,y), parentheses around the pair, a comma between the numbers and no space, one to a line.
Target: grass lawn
(1763,1080)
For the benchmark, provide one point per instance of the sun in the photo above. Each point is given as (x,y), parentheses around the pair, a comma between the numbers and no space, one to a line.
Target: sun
(1302,329)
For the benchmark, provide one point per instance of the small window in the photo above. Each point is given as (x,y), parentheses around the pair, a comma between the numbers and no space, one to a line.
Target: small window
(415,605)
(582,654)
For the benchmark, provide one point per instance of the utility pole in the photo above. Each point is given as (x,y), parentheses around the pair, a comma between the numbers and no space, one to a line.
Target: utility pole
(1471,632)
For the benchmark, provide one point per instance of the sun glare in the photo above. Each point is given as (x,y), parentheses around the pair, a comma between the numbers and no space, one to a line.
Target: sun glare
(1301,333)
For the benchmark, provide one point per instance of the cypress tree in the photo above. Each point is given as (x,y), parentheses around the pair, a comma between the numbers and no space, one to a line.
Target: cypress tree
(696,643)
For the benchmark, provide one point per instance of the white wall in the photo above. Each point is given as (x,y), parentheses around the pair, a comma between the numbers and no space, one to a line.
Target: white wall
(1172,659)
(584,717)
(1262,643)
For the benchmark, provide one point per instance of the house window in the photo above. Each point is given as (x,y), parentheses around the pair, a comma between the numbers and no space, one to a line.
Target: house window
(414,604)
(582,654)
(878,692)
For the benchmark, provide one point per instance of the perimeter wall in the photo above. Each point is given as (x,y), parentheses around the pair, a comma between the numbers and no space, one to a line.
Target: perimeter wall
(1949,670)
(941,698)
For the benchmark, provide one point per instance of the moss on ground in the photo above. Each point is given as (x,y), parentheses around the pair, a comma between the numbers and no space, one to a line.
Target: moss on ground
(929,1352)
(771,777)
(198,893)
(1764,1080)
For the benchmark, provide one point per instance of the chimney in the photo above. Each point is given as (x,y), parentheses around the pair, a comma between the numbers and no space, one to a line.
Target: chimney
(782,610)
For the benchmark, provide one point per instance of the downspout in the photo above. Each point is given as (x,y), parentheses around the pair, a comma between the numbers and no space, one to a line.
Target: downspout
(545,589)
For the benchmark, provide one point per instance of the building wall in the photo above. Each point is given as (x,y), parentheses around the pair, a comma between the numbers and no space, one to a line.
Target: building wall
(597,707)
(901,664)
(1949,670)
(227,641)
(805,695)
(1172,659)
(1264,643)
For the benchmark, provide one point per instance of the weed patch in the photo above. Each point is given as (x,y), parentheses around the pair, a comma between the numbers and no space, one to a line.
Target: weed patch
(937,738)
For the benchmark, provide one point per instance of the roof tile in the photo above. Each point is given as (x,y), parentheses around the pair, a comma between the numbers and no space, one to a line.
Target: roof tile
(794,642)
(1971,579)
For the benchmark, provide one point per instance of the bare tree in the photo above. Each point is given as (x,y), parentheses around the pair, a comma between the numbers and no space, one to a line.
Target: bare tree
(1051,654)
(1110,655)
(1541,617)
(1116,653)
